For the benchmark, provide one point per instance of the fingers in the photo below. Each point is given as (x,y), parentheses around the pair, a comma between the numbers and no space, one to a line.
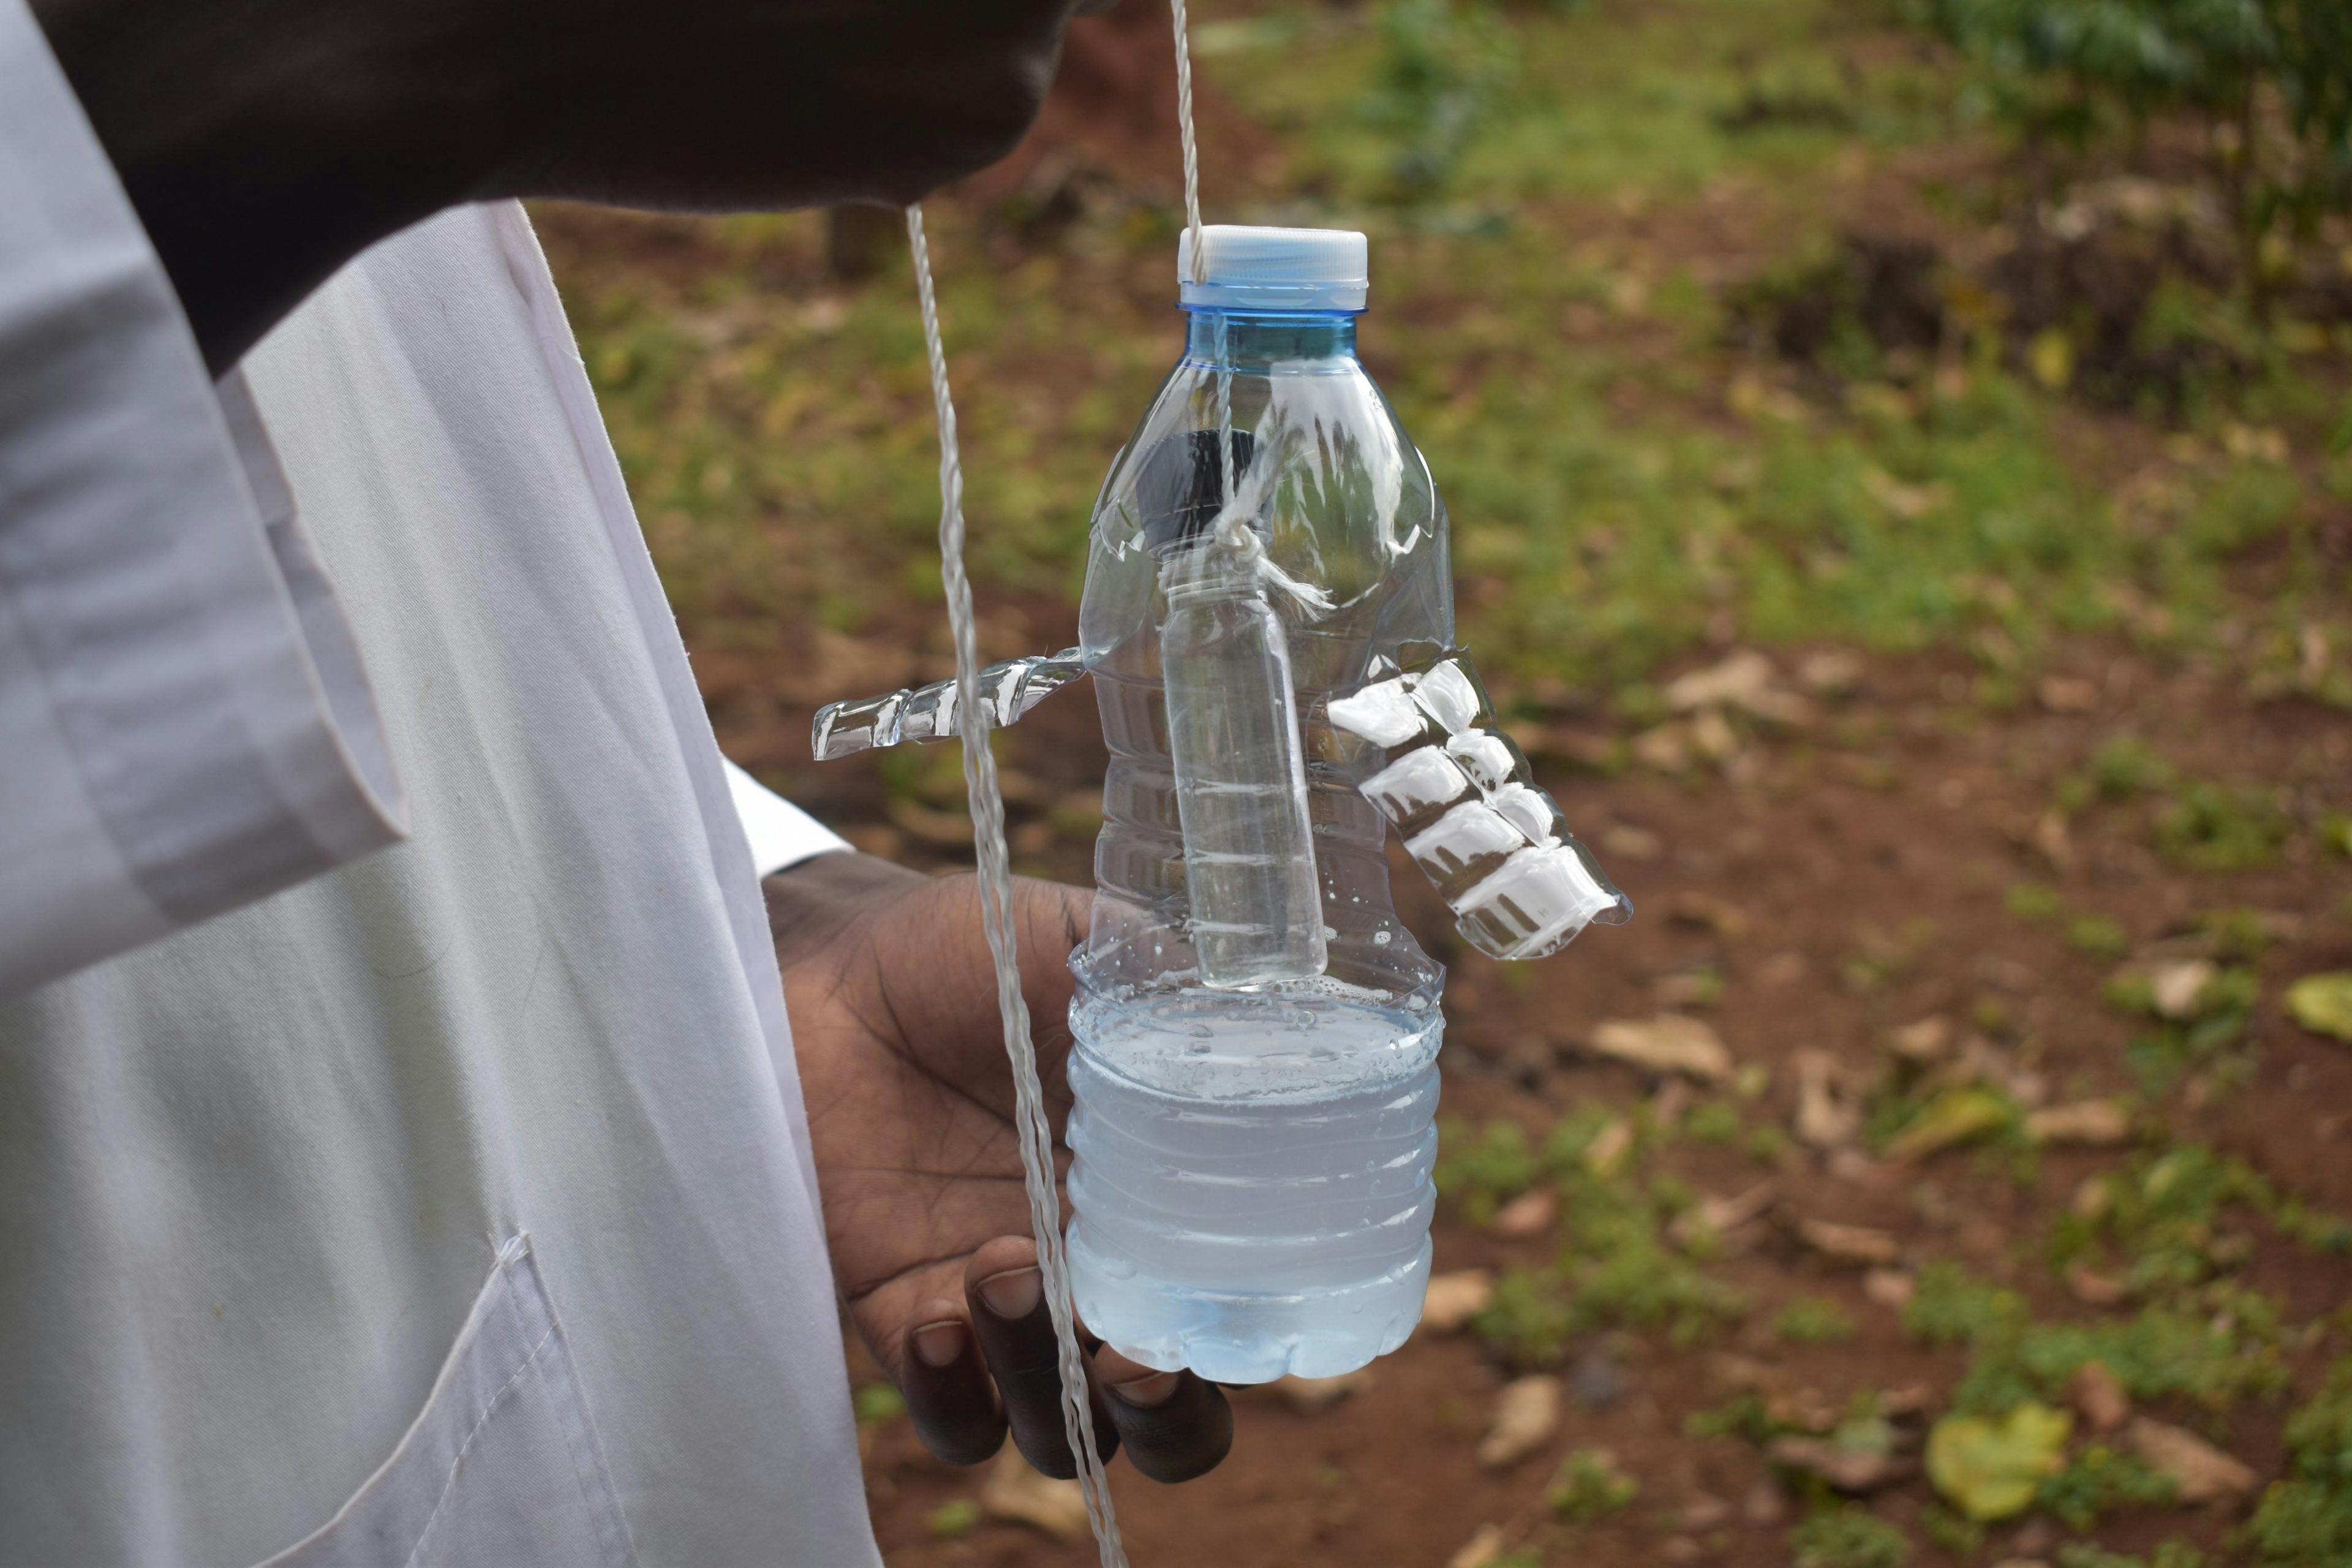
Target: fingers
(945,1379)
(970,1372)
(1175,1426)
(1006,1296)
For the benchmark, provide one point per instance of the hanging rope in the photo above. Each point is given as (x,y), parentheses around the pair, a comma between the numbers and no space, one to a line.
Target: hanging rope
(1232,529)
(1184,132)
(987,801)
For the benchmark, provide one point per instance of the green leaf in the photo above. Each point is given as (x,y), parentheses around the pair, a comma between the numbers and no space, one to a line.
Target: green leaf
(1955,1117)
(2323,1003)
(1990,1466)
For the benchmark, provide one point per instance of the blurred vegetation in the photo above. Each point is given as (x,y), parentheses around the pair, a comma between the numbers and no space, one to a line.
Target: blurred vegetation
(2266,84)
(1897,486)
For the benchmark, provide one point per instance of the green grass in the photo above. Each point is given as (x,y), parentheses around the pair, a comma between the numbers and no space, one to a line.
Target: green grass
(1590,1487)
(2170,1554)
(1813,1320)
(2305,1520)
(1619,496)
(1849,1537)
(1617,1268)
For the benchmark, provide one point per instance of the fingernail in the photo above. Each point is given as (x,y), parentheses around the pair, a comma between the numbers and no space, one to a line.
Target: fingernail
(939,1344)
(1014,1294)
(1146,1392)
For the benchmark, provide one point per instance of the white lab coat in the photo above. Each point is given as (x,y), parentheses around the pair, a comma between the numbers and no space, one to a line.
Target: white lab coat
(442,1202)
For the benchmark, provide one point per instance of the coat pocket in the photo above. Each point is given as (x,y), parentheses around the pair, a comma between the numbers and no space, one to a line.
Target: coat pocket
(503,1469)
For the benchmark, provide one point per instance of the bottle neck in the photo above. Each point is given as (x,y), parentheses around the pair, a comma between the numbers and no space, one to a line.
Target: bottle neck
(1251,341)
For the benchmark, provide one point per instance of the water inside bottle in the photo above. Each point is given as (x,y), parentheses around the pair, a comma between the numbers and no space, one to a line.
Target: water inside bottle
(1252,1184)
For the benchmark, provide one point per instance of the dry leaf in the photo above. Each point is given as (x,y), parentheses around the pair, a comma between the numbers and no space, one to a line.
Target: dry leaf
(2068,694)
(1712,736)
(1912,1399)
(1849,1243)
(1481,1550)
(2095,1123)
(1890,1288)
(1705,1511)
(1827,1116)
(1666,747)
(1526,1413)
(1529,1215)
(1606,1154)
(1667,1043)
(1845,1468)
(1745,680)
(2087,1284)
(1622,841)
(1453,1299)
(1016,1494)
(1718,1217)
(1923,1042)
(2202,1471)
(1732,681)
(2094,1392)
(1738,1374)
(2174,988)
(1830,674)
(2052,840)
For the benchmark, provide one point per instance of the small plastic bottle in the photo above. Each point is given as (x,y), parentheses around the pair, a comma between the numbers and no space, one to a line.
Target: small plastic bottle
(1250,1188)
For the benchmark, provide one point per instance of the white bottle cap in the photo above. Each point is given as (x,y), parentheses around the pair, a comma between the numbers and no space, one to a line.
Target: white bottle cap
(1251,269)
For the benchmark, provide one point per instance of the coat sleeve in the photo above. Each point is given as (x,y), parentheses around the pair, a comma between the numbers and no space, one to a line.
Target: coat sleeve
(780,834)
(184,723)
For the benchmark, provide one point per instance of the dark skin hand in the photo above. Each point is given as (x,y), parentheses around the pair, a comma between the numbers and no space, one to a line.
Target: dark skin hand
(894,1017)
(265,143)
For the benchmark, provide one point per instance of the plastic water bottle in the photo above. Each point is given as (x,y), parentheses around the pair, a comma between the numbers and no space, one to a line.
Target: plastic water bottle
(1268,620)
(1252,1183)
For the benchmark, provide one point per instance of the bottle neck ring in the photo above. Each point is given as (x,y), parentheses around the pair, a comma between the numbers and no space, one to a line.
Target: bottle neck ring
(1252,340)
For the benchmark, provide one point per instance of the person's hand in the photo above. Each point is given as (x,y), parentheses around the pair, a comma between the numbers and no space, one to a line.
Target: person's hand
(264,142)
(902,1065)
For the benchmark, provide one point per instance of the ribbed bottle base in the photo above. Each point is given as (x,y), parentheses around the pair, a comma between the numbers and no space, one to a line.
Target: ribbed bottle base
(1253,1236)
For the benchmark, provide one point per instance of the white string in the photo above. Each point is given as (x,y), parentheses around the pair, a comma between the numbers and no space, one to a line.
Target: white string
(987,803)
(996,910)
(1231,532)
(1184,131)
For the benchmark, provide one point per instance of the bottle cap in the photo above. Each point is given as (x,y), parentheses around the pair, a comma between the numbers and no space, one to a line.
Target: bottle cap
(1251,269)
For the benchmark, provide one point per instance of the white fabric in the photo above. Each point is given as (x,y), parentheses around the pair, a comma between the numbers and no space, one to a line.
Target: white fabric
(502,1469)
(185,722)
(780,834)
(253,1176)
